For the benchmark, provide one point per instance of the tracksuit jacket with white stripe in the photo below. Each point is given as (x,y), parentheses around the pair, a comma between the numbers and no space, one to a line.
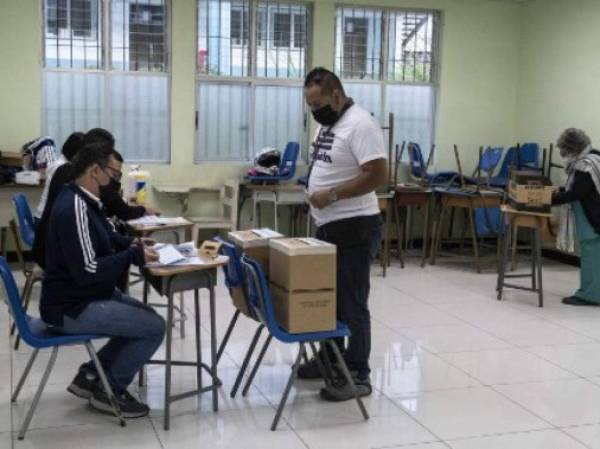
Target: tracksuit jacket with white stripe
(85,256)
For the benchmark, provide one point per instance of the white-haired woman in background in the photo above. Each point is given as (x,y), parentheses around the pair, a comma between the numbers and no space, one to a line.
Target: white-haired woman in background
(580,213)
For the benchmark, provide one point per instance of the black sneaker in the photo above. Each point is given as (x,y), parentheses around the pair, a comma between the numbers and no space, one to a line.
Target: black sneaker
(575,301)
(130,406)
(83,385)
(309,370)
(342,391)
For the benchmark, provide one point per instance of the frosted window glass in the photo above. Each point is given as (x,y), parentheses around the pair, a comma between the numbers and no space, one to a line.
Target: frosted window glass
(278,116)
(223,121)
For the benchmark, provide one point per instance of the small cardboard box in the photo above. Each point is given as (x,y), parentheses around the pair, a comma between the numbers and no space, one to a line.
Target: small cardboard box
(302,264)
(530,191)
(304,311)
(255,243)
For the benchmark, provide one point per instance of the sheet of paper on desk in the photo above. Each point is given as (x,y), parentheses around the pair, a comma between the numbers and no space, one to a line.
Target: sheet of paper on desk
(168,254)
(266,233)
(155,220)
(195,260)
(188,249)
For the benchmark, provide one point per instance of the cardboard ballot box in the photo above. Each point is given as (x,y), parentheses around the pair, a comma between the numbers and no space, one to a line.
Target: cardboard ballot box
(303,284)
(302,264)
(530,191)
(304,310)
(255,243)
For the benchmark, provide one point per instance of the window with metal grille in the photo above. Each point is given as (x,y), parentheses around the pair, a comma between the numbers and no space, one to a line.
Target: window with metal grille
(388,60)
(252,59)
(72,35)
(239,26)
(411,46)
(358,43)
(106,65)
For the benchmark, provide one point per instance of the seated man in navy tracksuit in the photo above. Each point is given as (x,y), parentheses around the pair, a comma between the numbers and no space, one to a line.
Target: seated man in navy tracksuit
(85,258)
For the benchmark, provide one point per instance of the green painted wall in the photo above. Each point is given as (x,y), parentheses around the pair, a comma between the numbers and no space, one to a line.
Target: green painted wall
(20,80)
(477,101)
(558,69)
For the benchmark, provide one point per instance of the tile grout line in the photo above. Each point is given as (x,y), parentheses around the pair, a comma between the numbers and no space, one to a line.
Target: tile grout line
(491,387)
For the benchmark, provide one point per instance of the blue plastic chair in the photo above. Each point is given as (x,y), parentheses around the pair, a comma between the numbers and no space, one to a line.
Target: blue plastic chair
(234,279)
(259,299)
(490,158)
(25,234)
(529,156)
(287,166)
(25,219)
(418,169)
(38,335)
(501,179)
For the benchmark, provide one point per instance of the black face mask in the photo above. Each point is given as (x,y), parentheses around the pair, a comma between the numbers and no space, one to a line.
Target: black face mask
(326,116)
(112,187)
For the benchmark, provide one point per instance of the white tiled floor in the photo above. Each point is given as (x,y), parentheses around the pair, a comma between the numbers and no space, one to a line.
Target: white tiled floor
(452,369)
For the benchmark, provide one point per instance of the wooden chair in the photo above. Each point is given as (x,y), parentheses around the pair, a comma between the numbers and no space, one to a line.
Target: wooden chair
(227,220)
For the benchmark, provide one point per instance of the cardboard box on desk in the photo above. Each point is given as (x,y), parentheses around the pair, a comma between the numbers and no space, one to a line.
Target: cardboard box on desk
(304,310)
(302,264)
(530,191)
(255,243)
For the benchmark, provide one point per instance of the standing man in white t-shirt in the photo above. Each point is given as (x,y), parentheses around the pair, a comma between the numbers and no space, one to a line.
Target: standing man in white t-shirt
(349,163)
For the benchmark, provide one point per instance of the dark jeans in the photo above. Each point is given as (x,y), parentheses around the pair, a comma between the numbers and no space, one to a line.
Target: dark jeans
(135,330)
(357,240)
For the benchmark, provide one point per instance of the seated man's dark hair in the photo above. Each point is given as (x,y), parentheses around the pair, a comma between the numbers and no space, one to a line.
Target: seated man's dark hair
(90,154)
(72,145)
(99,135)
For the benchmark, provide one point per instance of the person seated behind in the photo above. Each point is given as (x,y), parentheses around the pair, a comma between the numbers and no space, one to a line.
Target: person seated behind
(55,181)
(84,259)
(69,149)
(109,195)
(580,212)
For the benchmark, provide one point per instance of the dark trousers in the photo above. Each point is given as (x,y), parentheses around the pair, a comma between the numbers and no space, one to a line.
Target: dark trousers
(357,240)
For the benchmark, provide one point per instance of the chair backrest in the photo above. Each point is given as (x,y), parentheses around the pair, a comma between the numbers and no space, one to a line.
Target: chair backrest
(24,219)
(507,162)
(529,156)
(233,269)
(13,300)
(259,296)
(229,201)
(287,167)
(416,164)
(490,159)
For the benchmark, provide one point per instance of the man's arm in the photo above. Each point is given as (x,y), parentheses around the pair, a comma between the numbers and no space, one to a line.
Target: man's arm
(85,267)
(373,175)
(117,207)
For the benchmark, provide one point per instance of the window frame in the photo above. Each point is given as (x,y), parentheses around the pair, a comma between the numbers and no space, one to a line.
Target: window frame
(252,80)
(384,81)
(384,58)
(105,26)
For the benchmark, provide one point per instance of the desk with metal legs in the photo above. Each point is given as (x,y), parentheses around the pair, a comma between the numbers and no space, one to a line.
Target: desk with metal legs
(467,200)
(171,280)
(537,222)
(410,196)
